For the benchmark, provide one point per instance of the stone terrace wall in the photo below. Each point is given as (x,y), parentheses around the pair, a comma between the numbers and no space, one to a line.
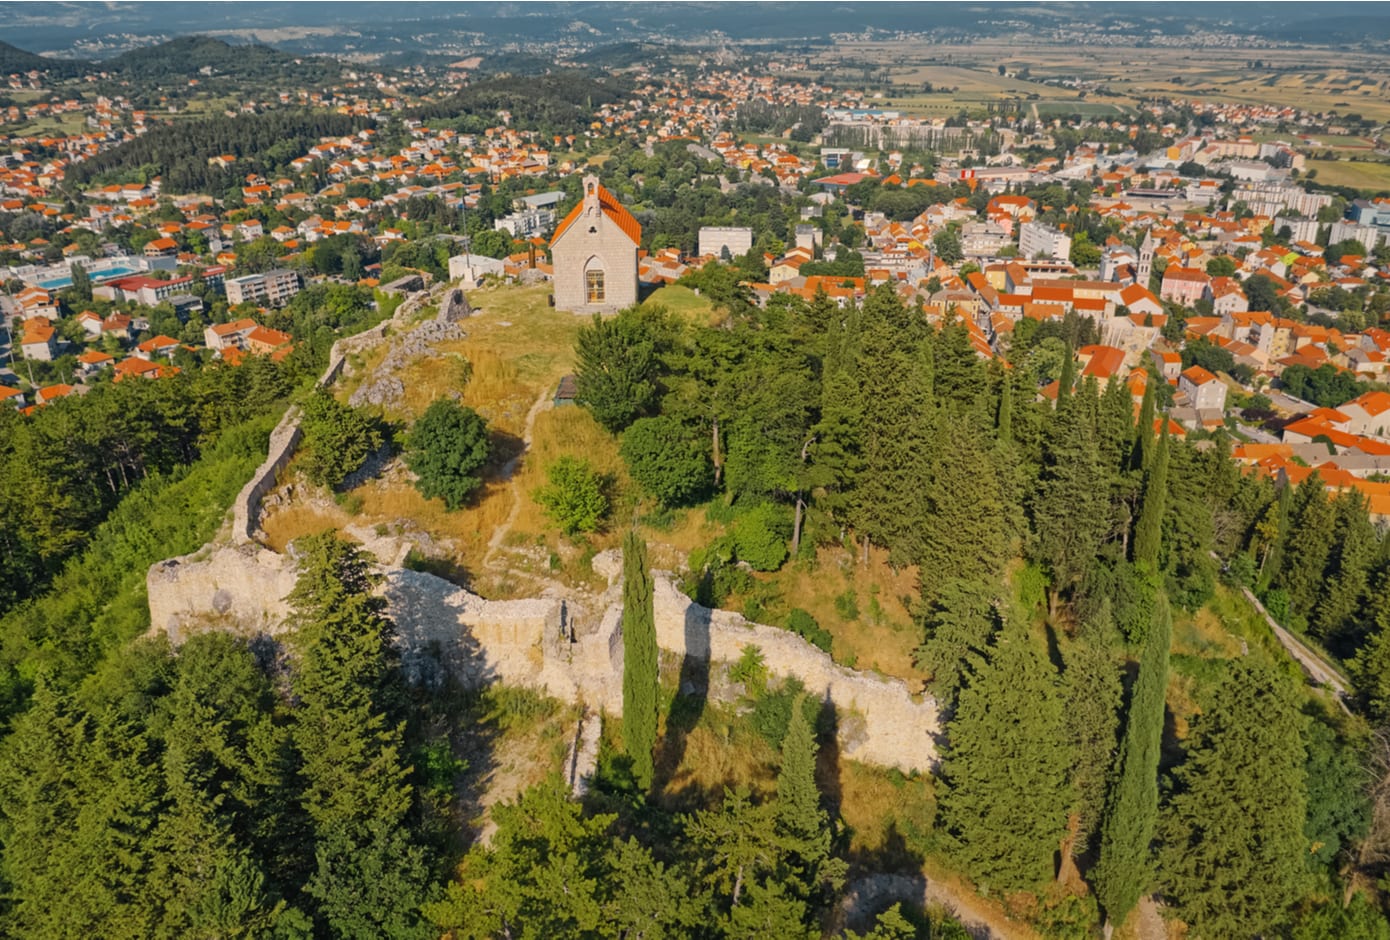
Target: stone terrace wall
(246,511)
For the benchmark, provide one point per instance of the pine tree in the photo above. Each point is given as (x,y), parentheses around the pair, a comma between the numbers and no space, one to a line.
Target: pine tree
(1070,502)
(965,529)
(895,383)
(1312,528)
(371,878)
(639,660)
(1004,422)
(958,623)
(801,820)
(1232,850)
(1354,550)
(1004,771)
(1148,534)
(1125,868)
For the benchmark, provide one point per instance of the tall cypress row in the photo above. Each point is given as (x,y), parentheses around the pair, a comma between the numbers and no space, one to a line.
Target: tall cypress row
(1125,868)
(1148,534)
(639,660)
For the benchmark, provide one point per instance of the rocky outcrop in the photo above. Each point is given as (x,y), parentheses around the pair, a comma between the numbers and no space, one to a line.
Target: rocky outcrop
(570,647)
(383,388)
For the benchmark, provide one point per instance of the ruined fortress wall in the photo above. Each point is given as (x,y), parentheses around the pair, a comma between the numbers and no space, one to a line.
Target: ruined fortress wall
(879,721)
(246,511)
(548,643)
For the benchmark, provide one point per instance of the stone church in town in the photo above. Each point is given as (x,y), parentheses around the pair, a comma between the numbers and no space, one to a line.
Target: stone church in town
(594,250)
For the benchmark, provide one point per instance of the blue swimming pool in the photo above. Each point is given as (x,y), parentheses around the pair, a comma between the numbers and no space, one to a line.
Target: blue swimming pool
(58,283)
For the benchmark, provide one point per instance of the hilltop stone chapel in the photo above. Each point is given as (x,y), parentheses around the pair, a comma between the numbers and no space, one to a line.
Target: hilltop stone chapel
(595,254)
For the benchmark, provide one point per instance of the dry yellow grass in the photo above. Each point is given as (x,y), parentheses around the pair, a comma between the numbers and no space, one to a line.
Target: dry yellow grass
(879,808)
(882,637)
(285,524)
(563,432)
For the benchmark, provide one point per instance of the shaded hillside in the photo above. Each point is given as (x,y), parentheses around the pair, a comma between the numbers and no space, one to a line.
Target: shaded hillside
(14,59)
(559,103)
(188,56)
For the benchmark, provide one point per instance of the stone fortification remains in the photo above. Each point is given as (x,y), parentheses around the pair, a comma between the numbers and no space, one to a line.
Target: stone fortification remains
(246,510)
(569,647)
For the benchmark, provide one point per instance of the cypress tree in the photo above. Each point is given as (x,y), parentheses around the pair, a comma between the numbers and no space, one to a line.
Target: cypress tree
(1125,868)
(1148,534)
(1004,425)
(1232,852)
(1068,376)
(639,660)
(1144,432)
(1094,692)
(1004,771)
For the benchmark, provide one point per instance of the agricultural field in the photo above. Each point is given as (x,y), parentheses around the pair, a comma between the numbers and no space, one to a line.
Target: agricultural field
(1359,174)
(1316,79)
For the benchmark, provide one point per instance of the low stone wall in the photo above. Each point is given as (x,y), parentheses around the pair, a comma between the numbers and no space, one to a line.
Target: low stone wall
(246,511)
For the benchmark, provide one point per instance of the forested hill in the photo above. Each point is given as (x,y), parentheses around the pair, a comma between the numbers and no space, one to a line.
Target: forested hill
(187,56)
(179,153)
(14,59)
(560,103)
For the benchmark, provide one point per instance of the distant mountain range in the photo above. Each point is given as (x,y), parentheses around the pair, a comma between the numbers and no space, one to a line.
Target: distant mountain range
(187,56)
(102,31)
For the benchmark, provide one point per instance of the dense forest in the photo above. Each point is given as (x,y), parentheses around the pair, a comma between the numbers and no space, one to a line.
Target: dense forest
(178,153)
(558,103)
(14,60)
(204,56)
(1053,544)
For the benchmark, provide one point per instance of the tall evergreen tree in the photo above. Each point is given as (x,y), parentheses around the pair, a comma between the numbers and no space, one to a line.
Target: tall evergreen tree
(895,385)
(1144,429)
(1354,550)
(1312,528)
(1148,534)
(801,820)
(640,660)
(1232,849)
(371,878)
(965,525)
(1069,504)
(1004,771)
(1093,693)
(1125,867)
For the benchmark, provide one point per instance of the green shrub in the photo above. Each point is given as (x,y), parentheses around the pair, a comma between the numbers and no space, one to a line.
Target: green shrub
(805,626)
(574,496)
(337,439)
(847,605)
(667,460)
(760,538)
(446,450)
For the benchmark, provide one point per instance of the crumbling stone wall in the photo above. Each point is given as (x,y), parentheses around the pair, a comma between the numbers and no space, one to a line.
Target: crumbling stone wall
(552,643)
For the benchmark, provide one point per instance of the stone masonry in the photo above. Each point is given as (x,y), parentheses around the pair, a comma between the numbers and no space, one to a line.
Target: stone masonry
(552,643)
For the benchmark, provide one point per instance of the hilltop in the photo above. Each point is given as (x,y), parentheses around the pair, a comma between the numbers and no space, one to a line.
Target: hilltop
(14,59)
